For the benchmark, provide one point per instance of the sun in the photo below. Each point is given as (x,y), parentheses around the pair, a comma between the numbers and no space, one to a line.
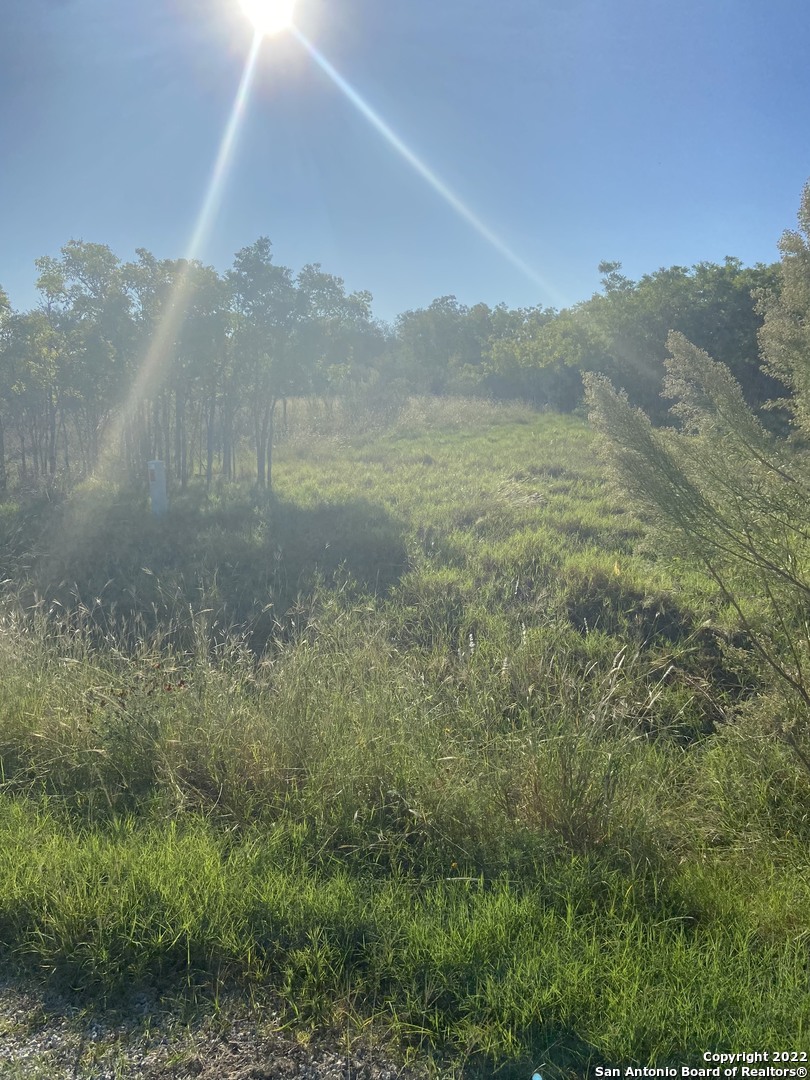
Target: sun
(269,16)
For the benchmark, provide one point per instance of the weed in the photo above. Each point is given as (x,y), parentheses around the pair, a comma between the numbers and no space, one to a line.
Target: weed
(422,742)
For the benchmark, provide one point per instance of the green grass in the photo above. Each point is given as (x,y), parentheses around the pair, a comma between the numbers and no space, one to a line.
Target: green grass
(425,744)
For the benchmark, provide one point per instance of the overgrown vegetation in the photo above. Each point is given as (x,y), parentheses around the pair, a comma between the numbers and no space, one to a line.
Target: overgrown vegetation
(123,362)
(440,739)
(422,746)
(729,494)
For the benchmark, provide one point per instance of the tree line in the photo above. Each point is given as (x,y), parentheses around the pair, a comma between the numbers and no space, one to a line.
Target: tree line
(167,358)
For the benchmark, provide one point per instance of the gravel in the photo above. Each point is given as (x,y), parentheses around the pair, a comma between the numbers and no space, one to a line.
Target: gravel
(49,1036)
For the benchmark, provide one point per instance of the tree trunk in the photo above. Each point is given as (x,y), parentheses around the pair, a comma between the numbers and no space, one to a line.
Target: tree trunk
(227,446)
(36,448)
(271,417)
(51,439)
(261,455)
(166,433)
(3,473)
(180,439)
(65,447)
(209,444)
(94,433)
(77,427)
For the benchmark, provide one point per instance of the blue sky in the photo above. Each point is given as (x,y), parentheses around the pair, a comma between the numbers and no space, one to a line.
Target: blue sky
(653,132)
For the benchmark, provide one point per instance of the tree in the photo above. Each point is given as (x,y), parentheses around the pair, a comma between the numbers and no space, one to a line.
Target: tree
(785,334)
(197,361)
(542,356)
(264,301)
(727,492)
(88,310)
(5,382)
(622,332)
(181,319)
(33,356)
(711,304)
(334,336)
(429,342)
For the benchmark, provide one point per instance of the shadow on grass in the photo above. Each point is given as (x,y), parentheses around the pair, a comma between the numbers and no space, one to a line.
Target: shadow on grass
(557,1052)
(245,560)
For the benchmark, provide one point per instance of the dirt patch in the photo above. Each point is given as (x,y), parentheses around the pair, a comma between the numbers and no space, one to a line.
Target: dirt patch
(46,1036)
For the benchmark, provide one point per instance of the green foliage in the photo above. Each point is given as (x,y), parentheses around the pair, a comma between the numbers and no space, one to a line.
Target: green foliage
(124,362)
(479,793)
(543,355)
(728,493)
(622,333)
(784,336)
(724,493)
(709,304)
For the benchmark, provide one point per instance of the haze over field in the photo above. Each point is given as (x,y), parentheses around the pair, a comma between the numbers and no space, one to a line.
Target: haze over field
(449,707)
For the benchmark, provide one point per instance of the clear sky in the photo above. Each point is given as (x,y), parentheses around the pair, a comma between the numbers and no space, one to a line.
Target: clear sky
(653,132)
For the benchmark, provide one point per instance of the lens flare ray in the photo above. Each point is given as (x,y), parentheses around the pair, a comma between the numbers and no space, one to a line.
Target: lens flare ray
(213,195)
(424,170)
(156,356)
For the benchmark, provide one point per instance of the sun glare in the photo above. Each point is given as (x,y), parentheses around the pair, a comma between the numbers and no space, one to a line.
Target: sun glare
(269,16)
(425,172)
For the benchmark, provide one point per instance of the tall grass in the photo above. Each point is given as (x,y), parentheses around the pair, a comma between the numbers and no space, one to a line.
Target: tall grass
(424,745)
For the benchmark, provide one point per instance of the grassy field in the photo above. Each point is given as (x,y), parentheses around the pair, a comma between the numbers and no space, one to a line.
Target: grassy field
(426,746)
